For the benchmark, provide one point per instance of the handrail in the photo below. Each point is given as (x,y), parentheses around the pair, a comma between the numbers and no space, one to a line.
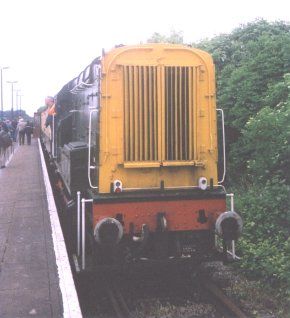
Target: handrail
(233,252)
(83,230)
(78,223)
(90,167)
(231,195)
(224,145)
(52,152)
(86,84)
(80,87)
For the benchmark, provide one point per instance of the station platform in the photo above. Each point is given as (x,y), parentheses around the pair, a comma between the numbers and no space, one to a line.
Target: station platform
(35,276)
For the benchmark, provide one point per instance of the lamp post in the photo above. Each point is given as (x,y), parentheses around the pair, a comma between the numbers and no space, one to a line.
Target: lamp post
(12,82)
(20,103)
(17,101)
(1,80)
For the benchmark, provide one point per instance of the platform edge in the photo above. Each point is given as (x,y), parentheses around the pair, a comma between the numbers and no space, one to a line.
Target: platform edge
(71,306)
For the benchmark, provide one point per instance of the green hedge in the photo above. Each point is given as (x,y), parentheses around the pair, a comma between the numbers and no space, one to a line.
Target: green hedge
(265,244)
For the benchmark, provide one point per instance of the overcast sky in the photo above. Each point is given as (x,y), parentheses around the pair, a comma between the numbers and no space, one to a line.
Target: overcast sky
(46,43)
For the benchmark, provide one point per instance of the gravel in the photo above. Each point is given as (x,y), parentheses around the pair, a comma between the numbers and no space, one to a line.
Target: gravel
(174,294)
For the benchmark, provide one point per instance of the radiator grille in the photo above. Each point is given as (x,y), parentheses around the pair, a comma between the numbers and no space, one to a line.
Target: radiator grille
(158,113)
(178,113)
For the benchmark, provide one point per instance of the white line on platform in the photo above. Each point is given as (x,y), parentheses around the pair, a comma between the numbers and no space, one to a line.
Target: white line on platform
(71,307)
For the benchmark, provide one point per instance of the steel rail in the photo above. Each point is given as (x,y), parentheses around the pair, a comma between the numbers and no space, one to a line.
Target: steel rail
(118,302)
(220,296)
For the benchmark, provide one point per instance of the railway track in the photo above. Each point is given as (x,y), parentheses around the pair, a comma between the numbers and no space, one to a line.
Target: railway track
(163,295)
(124,298)
(223,303)
(224,306)
(117,300)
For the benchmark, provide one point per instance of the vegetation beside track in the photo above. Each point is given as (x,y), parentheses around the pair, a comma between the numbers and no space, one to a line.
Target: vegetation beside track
(253,88)
(253,65)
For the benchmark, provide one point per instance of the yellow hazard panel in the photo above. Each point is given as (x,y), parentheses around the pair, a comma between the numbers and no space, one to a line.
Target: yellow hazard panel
(158,117)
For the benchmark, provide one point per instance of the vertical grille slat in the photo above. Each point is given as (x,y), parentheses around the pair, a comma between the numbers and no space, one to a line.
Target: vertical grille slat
(159,108)
(146,114)
(140,111)
(190,113)
(185,88)
(175,114)
(131,114)
(136,113)
(127,111)
(155,118)
(181,114)
(151,114)
(171,114)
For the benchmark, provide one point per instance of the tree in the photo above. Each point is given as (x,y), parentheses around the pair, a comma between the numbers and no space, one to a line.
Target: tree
(253,87)
(175,37)
(264,148)
(250,64)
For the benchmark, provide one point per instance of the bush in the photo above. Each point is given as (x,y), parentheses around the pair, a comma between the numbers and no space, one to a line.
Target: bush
(263,151)
(265,244)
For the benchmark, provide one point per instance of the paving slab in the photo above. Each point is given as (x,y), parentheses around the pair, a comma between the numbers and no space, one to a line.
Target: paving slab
(29,277)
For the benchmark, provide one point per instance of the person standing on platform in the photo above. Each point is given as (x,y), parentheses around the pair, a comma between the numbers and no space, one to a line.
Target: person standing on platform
(14,126)
(5,127)
(21,131)
(28,131)
(51,111)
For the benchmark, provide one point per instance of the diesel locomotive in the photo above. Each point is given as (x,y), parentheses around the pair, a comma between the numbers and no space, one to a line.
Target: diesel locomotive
(134,149)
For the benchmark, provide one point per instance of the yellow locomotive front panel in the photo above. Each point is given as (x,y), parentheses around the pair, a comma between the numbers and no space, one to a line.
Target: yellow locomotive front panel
(158,118)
